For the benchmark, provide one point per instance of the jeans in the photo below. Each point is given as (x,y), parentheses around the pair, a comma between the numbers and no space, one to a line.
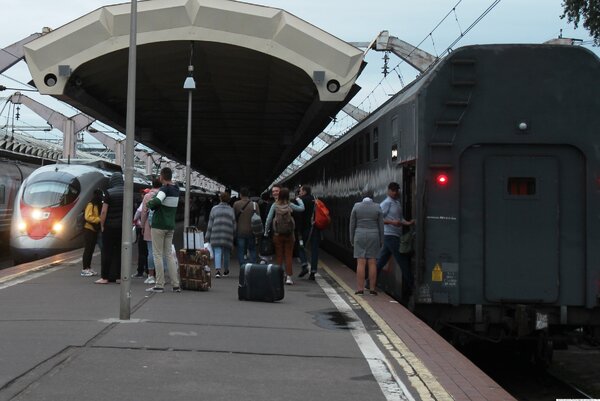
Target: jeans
(315,240)
(162,241)
(142,253)
(391,246)
(222,256)
(246,244)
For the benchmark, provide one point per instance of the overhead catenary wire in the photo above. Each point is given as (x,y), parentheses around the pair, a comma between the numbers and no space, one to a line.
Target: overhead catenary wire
(366,102)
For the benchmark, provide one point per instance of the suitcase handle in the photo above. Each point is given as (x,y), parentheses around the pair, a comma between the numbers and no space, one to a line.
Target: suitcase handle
(247,269)
(269,270)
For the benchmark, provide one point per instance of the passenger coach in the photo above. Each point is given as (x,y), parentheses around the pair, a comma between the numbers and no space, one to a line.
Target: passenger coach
(496,149)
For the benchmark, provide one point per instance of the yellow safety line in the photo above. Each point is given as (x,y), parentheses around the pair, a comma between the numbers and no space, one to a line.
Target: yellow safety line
(424,381)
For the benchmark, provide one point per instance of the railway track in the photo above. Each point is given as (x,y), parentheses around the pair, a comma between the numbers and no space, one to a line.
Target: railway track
(514,371)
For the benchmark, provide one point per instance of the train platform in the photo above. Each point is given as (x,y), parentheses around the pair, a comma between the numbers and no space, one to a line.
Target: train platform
(62,339)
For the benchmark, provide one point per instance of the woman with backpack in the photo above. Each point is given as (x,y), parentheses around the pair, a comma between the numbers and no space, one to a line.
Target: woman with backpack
(281,221)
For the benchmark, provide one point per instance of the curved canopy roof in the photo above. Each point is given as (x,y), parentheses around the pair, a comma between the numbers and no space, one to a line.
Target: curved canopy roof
(265,80)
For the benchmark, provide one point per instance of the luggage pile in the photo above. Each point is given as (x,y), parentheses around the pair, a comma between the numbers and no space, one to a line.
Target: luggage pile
(194,270)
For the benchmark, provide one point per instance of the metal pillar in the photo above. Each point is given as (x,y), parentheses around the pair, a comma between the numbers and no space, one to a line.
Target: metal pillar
(125,308)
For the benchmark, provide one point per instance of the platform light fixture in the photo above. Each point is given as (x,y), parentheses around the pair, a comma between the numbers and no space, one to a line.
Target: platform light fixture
(50,80)
(189,82)
(333,86)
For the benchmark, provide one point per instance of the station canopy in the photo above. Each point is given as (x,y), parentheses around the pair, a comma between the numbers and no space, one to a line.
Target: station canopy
(267,82)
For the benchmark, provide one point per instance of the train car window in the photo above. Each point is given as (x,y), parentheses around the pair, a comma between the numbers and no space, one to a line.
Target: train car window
(375,143)
(51,193)
(521,186)
(368,147)
(2,196)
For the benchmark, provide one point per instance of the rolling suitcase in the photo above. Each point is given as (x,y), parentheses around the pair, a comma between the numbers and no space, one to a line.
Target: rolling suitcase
(194,270)
(260,282)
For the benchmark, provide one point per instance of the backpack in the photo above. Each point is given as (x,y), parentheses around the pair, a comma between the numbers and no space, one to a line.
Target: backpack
(321,215)
(283,223)
(256,224)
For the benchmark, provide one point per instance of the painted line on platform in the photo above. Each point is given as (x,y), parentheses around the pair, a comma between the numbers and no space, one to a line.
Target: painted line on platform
(391,385)
(423,381)
(37,271)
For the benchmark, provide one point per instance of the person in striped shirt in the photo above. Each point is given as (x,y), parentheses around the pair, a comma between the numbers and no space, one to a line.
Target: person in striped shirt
(164,205)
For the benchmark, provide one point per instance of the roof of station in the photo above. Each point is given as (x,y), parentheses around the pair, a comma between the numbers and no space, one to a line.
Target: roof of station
(266,81)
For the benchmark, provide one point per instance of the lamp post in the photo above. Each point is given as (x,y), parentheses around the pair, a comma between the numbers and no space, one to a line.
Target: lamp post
(125,299)
(188,85)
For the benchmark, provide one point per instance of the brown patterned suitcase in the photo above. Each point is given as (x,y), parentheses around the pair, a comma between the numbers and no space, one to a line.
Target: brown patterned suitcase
(194,270)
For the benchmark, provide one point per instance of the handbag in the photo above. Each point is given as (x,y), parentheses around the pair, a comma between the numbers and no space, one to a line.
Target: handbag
(407,242)
(266,246)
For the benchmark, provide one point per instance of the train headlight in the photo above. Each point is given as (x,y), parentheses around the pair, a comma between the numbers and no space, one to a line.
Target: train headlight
(36,214)
(22,226)
(57,227)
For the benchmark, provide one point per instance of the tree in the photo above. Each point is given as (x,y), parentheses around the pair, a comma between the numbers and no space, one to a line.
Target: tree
(586,10)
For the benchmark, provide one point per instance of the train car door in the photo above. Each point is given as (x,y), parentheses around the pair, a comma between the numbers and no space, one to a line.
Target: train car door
(521,228)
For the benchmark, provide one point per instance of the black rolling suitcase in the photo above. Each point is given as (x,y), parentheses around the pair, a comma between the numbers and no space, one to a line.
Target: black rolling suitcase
(259,282)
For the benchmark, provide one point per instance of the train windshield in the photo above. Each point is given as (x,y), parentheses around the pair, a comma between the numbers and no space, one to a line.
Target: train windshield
(51,193)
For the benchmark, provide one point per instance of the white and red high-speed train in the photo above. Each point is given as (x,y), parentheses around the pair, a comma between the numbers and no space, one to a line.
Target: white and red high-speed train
(49,207)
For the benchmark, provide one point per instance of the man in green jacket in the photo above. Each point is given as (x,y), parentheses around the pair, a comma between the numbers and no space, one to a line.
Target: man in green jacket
(164,206)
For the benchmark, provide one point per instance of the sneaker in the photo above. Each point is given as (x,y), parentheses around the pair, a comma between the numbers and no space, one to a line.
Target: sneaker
(226,273)
(218,274)
(85,273)
(150,280)
(304,271)
(312,276)
(155,289)
(176,289)
(93,272)
(137,275)
(289,281)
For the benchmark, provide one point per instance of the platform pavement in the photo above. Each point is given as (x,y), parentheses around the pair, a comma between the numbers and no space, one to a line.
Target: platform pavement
(63,341)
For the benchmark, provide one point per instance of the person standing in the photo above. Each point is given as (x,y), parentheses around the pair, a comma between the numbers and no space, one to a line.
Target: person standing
(147,230)
(310,235)
(245,240)
(366,236)
(111,219)
(164,207)
(393,221)
(142,267)
(90,232)
(219,233)
(280,216)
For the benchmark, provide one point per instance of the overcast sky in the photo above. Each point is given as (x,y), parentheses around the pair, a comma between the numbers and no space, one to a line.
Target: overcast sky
(511,21)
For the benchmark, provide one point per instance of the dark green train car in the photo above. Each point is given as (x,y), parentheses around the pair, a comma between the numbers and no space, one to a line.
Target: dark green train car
(497,149)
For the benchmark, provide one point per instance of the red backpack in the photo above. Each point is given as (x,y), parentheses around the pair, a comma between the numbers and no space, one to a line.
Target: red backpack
(322,219)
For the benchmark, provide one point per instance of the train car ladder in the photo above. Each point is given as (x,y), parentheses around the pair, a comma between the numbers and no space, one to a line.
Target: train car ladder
(453,111)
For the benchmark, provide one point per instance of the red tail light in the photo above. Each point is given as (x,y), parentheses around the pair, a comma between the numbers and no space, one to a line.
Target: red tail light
(441,179)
